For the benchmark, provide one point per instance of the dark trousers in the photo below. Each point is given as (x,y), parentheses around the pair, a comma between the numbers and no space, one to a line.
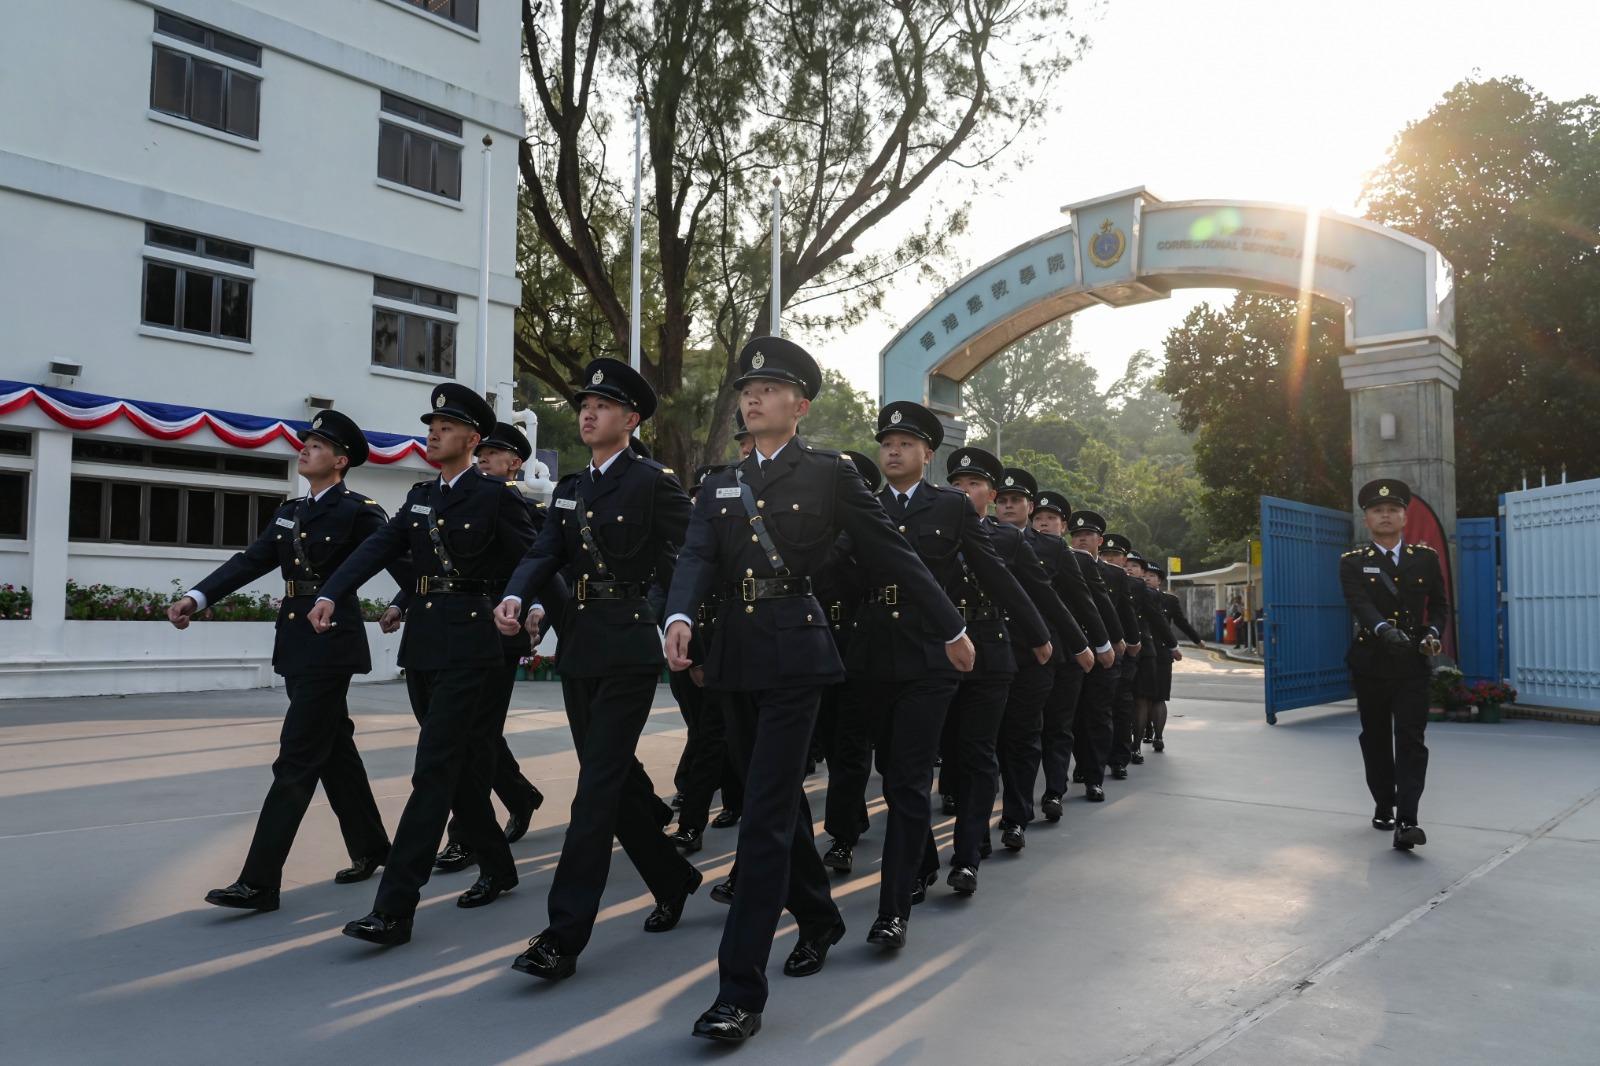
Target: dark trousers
(614,798)
(1123,744)
(515,792)
(908,718)
(849,761)
(707,763)
(317,742)
(1394,715)
(977,710)
(1091,727)
(1021,724)
(454,764)
(778,864)
(1060,726)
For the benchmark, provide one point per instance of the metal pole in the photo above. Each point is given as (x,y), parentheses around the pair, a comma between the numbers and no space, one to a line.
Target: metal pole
(483,280)
(777,256)
(638,225)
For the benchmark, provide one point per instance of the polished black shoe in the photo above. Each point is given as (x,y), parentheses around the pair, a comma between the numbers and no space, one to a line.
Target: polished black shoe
(241,896)
(949,802)
(889,931)
(1094,794)
(1011,837)
(1383,819)
(1050,807)
(454,857)
(1077,777)
(919,891)
(725,819)
(1137,758)
(517,822)
(688,841)
(360,870)
(677,801)
(1159,744)
(485,890)
(666,912)
(727,1024)
(544,959)
(1119,773)
(840,857)
(377,928)
(722,892)
(812,951)
(964,879)
(1407,837)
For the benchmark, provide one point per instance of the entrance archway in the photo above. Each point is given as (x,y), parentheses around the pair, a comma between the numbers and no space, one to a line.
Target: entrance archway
(1131,247)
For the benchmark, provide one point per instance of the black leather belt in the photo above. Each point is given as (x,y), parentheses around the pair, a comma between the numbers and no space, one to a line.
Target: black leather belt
(888,595)
(460,586)
(291,589)
(610,590)
(752,589)
(985,612)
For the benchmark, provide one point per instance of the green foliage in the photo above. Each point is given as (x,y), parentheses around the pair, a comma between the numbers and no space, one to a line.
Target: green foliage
(1038,374)
(16,602)
(109,603)
(842,416)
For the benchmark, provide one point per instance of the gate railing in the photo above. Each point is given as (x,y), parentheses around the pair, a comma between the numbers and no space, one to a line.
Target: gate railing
(1552,589)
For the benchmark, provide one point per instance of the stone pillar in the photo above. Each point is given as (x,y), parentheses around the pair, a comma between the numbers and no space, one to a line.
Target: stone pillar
(51,488)
(1402,420)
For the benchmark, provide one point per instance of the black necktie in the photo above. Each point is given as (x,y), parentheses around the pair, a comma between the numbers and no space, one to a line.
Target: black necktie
(904,499)
(444,488)
(761,463)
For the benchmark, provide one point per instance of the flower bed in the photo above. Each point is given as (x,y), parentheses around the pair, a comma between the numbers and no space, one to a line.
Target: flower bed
(536,667)
(1451,699)
(108,603)
(16,602)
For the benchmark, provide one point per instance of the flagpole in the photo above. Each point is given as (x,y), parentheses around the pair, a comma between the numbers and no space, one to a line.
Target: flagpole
(483,286)
(777,256)
(638,225)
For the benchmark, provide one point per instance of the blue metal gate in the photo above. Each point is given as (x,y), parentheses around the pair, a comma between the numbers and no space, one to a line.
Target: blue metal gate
(1307,623)
(1552,578)
(1478,598)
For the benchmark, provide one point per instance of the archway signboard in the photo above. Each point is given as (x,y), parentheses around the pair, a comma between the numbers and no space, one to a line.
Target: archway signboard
(1131,247)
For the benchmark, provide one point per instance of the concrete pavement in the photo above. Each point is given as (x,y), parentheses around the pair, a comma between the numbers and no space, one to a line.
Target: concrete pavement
(1229,904)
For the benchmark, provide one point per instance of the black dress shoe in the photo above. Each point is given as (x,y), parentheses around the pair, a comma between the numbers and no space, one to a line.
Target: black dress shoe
(1119,773)
(919,891)
(454,857)
(518,821)
(1383,818)
(840,857)
(889,931)
(722,892)
(727,1024)
(949,803)
(725,818)
(1137,758)
(666,912)
(241,896)
(1011,837)
(1159,744)
(1050,807)
(485,890)
(677,801)
(1077,777)
(812,951)
(1095,794)
(688,841)
(378,928)
(964,879)
(544,959)
(360,870)
(1407,836)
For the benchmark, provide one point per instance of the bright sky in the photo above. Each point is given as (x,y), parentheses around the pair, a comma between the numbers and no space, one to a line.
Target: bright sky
(1280,100)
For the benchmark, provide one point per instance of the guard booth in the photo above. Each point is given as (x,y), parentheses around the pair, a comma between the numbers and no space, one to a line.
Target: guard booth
(1307,623)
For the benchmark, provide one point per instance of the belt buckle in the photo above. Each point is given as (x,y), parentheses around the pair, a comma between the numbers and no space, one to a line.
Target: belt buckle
(289,590)
(833,612)
(583,587)
(422,585)
(891,595)
(747,590)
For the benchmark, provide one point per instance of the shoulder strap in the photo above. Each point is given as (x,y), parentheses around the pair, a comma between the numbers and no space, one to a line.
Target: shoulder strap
(759,524)
(297,546)
(587,536)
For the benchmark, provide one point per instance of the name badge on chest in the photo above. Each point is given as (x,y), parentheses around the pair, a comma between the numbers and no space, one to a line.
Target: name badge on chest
(728,493)
(1371,570)
(285,523)
(565,505)
(421,508)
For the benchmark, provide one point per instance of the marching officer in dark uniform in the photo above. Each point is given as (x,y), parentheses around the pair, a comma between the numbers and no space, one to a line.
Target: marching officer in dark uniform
(1145,618)
(309,538)
(1159,646)
(1091,723)
(499,457)
(618,522)
(1400,607)
(1156,578)
(759,532)
(461,530)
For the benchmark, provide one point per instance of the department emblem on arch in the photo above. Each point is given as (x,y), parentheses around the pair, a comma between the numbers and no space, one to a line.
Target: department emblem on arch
(1107,245)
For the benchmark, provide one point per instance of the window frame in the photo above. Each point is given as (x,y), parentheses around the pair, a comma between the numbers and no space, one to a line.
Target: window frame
(436,136)
(25,474)
(220,270)
(419,310)
(440,20)
(257,518)
(232,66)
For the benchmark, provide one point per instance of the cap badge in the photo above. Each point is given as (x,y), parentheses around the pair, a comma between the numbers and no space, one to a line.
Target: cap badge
(438,400)
(1080,521)
(1383,490)
(894,419)
(1010,480)
(599,376)
(757,361)
(316,424)
(966,460)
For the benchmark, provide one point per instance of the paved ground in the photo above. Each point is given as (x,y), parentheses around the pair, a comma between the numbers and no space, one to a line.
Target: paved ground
(1229,905)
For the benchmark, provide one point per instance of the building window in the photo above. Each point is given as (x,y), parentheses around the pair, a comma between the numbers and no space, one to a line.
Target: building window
(211,92)
(15,443)
(13,504)
(409,154)
(461,12)
(413,328)
(133,512)
(88,450)
(183,295)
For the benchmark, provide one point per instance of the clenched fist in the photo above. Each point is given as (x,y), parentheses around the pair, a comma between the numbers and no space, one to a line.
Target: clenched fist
(182,611)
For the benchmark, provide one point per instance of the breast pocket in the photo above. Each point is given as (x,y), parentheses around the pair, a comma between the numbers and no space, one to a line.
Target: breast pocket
(466,536)
(936,543)
(800,523)
(618,532)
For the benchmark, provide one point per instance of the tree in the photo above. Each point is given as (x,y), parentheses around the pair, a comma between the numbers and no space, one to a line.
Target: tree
(1506,183)
(871,101)
(1040,372)
(842,417)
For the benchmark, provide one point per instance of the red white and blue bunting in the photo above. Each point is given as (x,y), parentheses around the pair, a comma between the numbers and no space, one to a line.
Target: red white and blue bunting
(165,421)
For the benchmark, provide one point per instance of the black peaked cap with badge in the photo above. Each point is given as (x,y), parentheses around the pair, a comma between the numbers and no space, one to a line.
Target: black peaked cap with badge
(1052,501)
(776,359)
(1115,543)
(339,430)
(869,469)
(508,437)
(456,401)
(1016,479)
(612,379)
(975,462)
(904,416)
(1082,520)
(1384,490)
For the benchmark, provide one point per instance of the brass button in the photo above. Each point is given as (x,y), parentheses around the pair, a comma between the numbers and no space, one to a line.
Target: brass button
(761,503)
(724,510)
(754,538)
(619,518)
(280,535)
(327,538)
(466,525)
(902,529)
(749,608)
(428,604)
(291,616)
(937,532)
(297,562)
(635,617)
(474,614)
(333,623)
(302,536)
(894,614)
(580,606)
(796,506)
(413,526)
(441,521)
(749,572)
(588,514)
(808,618)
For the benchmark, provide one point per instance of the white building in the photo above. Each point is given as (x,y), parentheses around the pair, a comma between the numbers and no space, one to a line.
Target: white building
(235,206)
